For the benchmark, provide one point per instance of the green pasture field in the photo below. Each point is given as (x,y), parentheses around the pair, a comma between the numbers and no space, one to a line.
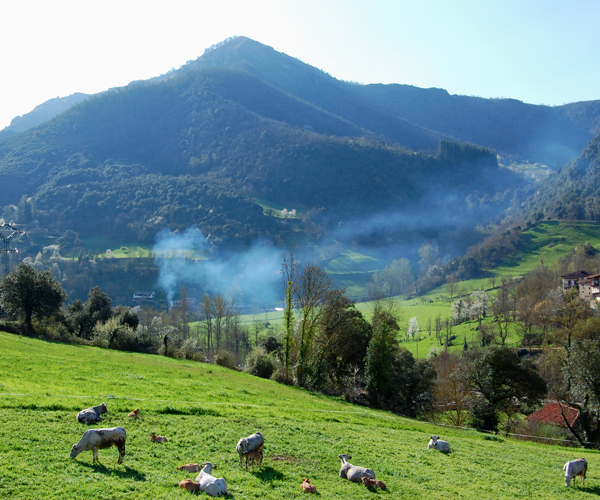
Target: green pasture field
(548,242)
(204,409)
(98,246)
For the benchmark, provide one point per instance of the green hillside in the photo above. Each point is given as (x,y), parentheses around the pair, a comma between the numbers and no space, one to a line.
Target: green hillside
(204,409)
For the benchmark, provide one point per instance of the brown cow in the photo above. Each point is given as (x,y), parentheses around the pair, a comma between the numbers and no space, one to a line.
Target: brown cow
(189,485)
(254,456)
(307,487)
(135,414)
(190,467)
(157,439)
(374,483)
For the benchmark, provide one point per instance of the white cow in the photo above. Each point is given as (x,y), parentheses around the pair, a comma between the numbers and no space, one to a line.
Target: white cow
(354,473)
(439,444)
(94,439)
(211,485)
(255,442)
(573,469)
(92,415)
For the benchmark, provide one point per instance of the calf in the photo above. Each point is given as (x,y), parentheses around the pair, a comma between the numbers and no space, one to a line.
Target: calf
(157,439)
(190,467)
(354,473)
(254,456)
(573,469)
(189,485)
(211,485)
(135,414)
(374,483)
(95,439)
(307,487)
(92,415)
(439,444)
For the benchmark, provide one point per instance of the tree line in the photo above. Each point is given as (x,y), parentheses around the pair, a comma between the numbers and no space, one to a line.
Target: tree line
(327,345)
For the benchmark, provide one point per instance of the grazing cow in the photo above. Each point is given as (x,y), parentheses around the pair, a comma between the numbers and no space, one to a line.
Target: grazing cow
(374,483)
(439,444)
(307,487)
(190,467)
(573,469)
(157,439)
(95,439)
(209,484)
(92,415)
(254,456)
(255,442)
(189,485)
(135,414)
(354,473)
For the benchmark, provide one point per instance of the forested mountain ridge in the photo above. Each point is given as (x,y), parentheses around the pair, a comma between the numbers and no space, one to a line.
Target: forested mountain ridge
(194,148)
(417,118)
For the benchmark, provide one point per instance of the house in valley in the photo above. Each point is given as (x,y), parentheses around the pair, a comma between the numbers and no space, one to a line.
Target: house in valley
(552,414)
(571,280)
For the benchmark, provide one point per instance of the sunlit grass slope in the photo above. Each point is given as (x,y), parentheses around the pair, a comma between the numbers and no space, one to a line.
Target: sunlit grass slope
(204,409)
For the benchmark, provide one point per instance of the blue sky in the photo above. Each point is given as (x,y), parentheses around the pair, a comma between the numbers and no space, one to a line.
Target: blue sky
(541,52)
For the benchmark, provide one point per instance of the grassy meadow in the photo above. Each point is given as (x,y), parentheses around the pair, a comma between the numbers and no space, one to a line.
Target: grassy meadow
(204,409)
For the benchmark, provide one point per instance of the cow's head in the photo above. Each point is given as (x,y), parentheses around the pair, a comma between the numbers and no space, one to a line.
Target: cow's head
(434,438)
(102,409)
(567,481)
(344,458)
(208,467)
(74,451)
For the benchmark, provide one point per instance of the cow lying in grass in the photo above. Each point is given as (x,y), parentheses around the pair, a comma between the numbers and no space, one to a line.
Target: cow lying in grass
(189,485)
(92,415)
(573,469)
(209,484)
(190,467)
(373,483)
(439,444)
(95,439)
(135,414)
(354,473)
(307,487)
(157,439)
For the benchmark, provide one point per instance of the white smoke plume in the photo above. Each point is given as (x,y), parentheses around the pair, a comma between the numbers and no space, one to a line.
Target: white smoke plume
(185,259)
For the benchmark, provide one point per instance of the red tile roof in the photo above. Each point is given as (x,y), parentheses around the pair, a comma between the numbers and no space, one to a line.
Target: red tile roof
(551,415)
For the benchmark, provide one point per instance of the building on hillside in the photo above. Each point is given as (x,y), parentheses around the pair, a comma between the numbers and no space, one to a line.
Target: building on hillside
(589,289)
(191,303)
(551,414)
(143,295)
(570,280)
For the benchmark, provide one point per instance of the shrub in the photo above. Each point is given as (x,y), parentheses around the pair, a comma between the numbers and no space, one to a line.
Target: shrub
(191,349)
(260,363)
(484,417)
(225,359)
(272,345)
